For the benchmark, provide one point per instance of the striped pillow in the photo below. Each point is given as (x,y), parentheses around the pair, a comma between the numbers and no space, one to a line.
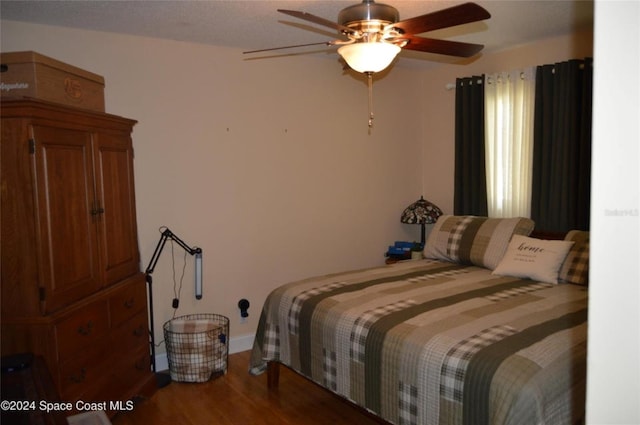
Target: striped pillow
(480,241)
(575,268)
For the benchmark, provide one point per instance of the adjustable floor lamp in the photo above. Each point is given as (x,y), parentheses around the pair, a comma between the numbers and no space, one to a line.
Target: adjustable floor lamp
(165,235)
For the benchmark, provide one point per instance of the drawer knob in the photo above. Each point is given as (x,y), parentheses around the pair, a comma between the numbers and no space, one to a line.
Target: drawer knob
(80,377)
(86,329)
(130,303)
(139,331)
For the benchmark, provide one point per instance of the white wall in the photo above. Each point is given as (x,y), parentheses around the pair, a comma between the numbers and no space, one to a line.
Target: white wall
(613,389)
(267,165)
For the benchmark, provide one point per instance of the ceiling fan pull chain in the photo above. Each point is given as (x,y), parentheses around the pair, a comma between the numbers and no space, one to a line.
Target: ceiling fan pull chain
(370,77)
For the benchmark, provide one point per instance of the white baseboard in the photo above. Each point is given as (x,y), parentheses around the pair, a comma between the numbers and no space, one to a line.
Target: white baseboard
(241,343)
(236,345)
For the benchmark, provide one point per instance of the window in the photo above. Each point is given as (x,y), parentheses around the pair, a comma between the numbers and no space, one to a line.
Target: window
(509,117)
(526,136)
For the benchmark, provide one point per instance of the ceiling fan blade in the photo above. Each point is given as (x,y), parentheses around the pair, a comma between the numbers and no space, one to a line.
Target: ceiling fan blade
(456,15)
(317,20)
(326,43)
(443,47)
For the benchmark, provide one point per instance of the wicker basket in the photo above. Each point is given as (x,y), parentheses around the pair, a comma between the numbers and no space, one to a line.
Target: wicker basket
(197,346)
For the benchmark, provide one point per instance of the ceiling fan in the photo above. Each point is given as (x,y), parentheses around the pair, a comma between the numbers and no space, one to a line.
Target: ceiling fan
(373,34)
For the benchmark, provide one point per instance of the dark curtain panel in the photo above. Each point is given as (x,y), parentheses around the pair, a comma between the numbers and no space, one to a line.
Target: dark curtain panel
(470,186)
(562,146)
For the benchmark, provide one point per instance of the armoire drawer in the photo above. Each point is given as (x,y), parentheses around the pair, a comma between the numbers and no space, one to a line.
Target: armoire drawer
(133,367)
(131,334)
(127,301)
(85,327)
(85,372)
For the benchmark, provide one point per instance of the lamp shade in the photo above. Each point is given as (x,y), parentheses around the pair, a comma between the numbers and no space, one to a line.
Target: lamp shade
(369,57)
(421,212)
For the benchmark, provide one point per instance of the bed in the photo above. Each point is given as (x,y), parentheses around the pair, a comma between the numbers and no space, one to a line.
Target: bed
(489,328)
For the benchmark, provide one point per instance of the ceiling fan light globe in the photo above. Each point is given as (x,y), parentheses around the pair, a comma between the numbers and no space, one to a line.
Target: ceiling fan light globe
(369,57)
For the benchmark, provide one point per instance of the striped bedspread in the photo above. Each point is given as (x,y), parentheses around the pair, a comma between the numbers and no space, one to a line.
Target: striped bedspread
(431,342)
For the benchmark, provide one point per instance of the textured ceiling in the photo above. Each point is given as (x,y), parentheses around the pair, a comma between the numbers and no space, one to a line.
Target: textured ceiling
(256,24)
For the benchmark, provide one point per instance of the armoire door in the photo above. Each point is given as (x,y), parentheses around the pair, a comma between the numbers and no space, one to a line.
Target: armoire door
(115,196)
(68,257)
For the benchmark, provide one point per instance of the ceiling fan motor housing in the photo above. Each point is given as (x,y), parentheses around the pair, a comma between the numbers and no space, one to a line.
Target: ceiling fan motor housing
(368,16)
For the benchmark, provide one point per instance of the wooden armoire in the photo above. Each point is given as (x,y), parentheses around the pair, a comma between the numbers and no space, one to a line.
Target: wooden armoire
(72,289)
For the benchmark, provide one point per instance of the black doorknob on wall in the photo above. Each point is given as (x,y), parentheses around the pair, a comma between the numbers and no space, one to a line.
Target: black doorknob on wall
(243,305)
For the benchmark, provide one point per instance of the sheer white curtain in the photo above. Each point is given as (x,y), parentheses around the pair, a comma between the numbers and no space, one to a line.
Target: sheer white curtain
(509,107)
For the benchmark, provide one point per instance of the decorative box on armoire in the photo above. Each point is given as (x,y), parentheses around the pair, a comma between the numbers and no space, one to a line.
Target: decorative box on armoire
(72,290)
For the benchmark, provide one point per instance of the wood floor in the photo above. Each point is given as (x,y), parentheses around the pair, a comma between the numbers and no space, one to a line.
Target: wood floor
(240,398)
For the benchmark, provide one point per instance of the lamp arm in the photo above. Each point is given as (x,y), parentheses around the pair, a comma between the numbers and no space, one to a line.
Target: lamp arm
(168,234)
